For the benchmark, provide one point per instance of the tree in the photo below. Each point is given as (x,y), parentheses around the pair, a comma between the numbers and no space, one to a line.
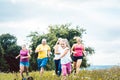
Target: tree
(54,32)
(3,65)
(9,49)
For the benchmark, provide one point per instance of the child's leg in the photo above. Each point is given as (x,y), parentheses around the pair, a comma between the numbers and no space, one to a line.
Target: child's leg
(27,71)
(21,71)
(56,67)
(64,78)
(64,70)
(69,68)
(27,68)
(59,68)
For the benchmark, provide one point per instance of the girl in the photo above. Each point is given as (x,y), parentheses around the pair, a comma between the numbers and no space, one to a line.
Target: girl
(57,50)
(78,51)
(65,58)
(24,60)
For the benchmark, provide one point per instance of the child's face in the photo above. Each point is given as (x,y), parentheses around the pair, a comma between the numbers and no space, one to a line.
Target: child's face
(63,45)
(23,47)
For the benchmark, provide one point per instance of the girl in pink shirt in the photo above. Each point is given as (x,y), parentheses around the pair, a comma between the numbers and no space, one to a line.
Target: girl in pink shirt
(24,60)
(78,51)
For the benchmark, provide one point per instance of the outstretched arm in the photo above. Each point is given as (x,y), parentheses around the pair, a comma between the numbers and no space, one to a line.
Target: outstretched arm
(17,56)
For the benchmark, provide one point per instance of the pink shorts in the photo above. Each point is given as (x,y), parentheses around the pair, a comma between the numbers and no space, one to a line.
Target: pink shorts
(66,69)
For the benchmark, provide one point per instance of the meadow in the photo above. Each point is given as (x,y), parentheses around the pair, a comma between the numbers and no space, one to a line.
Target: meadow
(105,74)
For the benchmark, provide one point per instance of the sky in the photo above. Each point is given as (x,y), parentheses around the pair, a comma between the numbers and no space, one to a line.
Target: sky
(100,18)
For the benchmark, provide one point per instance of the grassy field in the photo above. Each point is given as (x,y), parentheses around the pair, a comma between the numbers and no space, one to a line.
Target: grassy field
(107,74)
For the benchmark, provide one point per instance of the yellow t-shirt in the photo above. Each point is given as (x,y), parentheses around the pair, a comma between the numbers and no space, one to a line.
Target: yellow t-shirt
(44,50)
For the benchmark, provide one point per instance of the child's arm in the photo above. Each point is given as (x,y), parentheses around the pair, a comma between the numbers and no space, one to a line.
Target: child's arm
(66,51)
(56,49)
(17,56)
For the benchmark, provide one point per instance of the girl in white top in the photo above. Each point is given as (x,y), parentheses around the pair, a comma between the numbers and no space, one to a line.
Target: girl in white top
(57,51)
(65,58)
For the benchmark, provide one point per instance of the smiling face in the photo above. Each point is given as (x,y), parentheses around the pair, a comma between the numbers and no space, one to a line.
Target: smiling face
(63,44)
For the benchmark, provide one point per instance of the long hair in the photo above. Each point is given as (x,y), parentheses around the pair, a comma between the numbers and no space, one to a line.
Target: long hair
(67,43)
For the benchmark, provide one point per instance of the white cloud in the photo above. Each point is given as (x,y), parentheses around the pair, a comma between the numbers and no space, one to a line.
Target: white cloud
(31,25)
(13,1)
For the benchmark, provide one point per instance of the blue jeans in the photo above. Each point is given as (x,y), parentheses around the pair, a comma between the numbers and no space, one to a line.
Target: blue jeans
(57,67)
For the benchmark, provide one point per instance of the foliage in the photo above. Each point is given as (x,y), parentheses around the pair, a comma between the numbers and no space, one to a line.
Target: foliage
(55,32)
(8,50)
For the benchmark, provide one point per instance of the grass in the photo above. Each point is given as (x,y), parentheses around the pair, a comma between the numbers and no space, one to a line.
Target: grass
(106,74)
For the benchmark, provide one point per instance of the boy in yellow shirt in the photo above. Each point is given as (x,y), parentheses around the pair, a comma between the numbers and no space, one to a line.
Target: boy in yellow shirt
(43,51)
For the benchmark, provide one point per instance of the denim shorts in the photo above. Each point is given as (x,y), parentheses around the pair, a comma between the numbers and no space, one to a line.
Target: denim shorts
(42,62)
(26,64)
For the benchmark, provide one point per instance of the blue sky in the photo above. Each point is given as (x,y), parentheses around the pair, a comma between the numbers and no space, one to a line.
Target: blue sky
(101,19)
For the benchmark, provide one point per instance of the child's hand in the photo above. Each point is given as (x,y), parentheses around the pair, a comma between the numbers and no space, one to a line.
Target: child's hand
(16,57)
(23,57)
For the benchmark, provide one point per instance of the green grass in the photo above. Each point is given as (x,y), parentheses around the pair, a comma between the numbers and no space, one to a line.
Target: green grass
(107,74)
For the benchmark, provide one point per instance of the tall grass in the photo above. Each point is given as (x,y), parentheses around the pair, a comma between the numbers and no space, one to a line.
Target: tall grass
(106,74)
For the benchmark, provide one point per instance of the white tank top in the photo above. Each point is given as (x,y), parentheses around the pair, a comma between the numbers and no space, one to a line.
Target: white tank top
(66,59)
(59,51)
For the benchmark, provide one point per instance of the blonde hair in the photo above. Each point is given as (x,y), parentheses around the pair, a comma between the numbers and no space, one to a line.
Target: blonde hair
(67,43)
(77,38)
(58,41)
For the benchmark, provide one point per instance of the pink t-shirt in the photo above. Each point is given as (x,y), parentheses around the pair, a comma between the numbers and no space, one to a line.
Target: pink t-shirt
(79,50)
(24,53)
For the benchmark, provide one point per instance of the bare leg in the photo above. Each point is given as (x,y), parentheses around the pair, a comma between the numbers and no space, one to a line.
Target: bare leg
(79,61)
(26,70)
(41,71)
(74,66)
(21,71)
(64,78)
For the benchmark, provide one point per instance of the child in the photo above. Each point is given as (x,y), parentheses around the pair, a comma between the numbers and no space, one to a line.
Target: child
(65,58)
(57,50)
(24,60)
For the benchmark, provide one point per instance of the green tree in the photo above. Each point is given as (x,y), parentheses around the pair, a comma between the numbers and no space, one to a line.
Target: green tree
(54,32)
(3,66)
(9,49)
